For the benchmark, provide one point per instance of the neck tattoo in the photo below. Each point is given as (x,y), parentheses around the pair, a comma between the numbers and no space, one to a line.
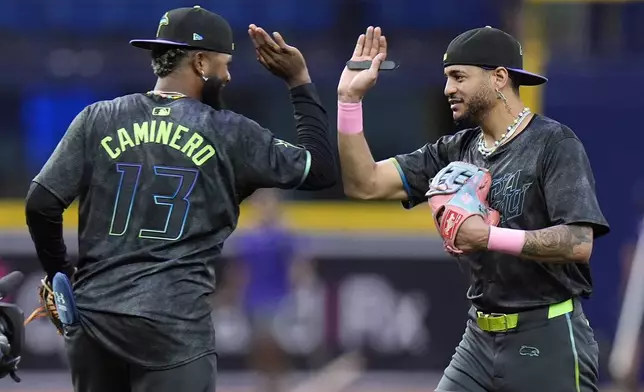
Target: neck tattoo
(485,151)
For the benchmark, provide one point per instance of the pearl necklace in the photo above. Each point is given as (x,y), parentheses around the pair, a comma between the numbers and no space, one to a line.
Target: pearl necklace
(485,151)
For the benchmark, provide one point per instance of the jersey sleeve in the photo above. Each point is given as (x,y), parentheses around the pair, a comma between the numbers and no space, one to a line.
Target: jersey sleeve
(62,174)
(417,168)
(264,161)
(569,186)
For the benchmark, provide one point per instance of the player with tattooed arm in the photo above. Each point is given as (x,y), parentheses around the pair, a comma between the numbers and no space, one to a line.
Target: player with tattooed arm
(515,195)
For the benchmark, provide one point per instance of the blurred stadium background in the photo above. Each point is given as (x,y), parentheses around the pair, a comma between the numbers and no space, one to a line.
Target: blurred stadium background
(369,278)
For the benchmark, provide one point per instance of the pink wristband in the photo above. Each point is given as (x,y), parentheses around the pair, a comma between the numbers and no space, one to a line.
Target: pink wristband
(349,117)
(506,240)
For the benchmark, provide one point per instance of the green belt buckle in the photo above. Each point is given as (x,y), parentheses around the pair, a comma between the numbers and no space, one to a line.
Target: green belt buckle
(497,322)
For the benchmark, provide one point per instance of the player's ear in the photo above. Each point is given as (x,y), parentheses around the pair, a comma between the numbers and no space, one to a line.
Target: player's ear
(501,78)
(200,63)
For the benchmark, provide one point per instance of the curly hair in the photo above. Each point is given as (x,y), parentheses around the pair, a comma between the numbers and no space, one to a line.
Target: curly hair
(166,60)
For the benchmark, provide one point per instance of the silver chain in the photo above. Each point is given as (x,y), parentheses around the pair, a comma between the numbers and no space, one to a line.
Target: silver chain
(485,151)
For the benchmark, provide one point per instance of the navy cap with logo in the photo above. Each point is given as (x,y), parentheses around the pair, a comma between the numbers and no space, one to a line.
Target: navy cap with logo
(489,48)
(191,28)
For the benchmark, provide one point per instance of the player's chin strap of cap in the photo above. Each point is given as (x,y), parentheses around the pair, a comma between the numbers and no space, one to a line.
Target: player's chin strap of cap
(500,322)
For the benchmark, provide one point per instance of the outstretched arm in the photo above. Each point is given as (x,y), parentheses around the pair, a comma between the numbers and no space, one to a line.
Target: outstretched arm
(362,177)
(280,161)
(403,177)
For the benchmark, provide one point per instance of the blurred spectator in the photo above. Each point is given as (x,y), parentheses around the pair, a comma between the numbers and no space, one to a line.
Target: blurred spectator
(267,271)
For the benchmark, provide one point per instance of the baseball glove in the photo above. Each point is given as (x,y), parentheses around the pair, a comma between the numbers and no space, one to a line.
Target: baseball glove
(47,306)
(456,193)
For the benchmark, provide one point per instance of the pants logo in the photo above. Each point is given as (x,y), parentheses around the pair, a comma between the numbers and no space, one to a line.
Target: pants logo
(529,351)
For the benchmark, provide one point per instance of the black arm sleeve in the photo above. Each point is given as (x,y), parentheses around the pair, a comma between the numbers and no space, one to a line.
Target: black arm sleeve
(264,161)
(45,220)
(312,124)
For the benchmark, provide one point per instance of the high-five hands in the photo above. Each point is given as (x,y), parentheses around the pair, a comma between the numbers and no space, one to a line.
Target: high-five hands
(371,46)
(279,58)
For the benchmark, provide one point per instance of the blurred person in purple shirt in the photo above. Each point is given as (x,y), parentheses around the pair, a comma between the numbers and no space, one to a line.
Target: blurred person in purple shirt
(266,252)
(269,262)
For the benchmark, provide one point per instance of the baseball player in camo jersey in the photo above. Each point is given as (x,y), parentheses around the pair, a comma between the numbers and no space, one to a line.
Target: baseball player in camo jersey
(159,177)
(528,243)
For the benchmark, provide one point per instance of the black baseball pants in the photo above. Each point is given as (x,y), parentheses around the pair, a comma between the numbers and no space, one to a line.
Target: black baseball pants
(94,369)
(557,354)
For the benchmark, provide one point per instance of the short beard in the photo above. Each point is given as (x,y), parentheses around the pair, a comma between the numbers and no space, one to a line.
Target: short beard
(213,93)
(478,108)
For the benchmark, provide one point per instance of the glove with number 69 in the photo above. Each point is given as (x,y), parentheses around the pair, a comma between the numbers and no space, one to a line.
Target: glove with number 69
(456,193)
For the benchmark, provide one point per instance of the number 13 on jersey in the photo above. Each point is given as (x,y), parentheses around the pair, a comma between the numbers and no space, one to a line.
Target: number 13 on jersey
(176,206)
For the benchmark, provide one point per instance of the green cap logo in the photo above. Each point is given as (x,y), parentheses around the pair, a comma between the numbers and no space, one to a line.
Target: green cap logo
(163,22)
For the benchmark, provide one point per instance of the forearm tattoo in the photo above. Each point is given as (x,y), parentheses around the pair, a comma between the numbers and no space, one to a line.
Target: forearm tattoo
(563,242)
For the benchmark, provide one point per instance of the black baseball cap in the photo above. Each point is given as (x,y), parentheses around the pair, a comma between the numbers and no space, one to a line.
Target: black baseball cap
(489,48)
(191,28)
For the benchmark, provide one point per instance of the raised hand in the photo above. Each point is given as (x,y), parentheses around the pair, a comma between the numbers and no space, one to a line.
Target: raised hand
(280,59)
(371,46)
